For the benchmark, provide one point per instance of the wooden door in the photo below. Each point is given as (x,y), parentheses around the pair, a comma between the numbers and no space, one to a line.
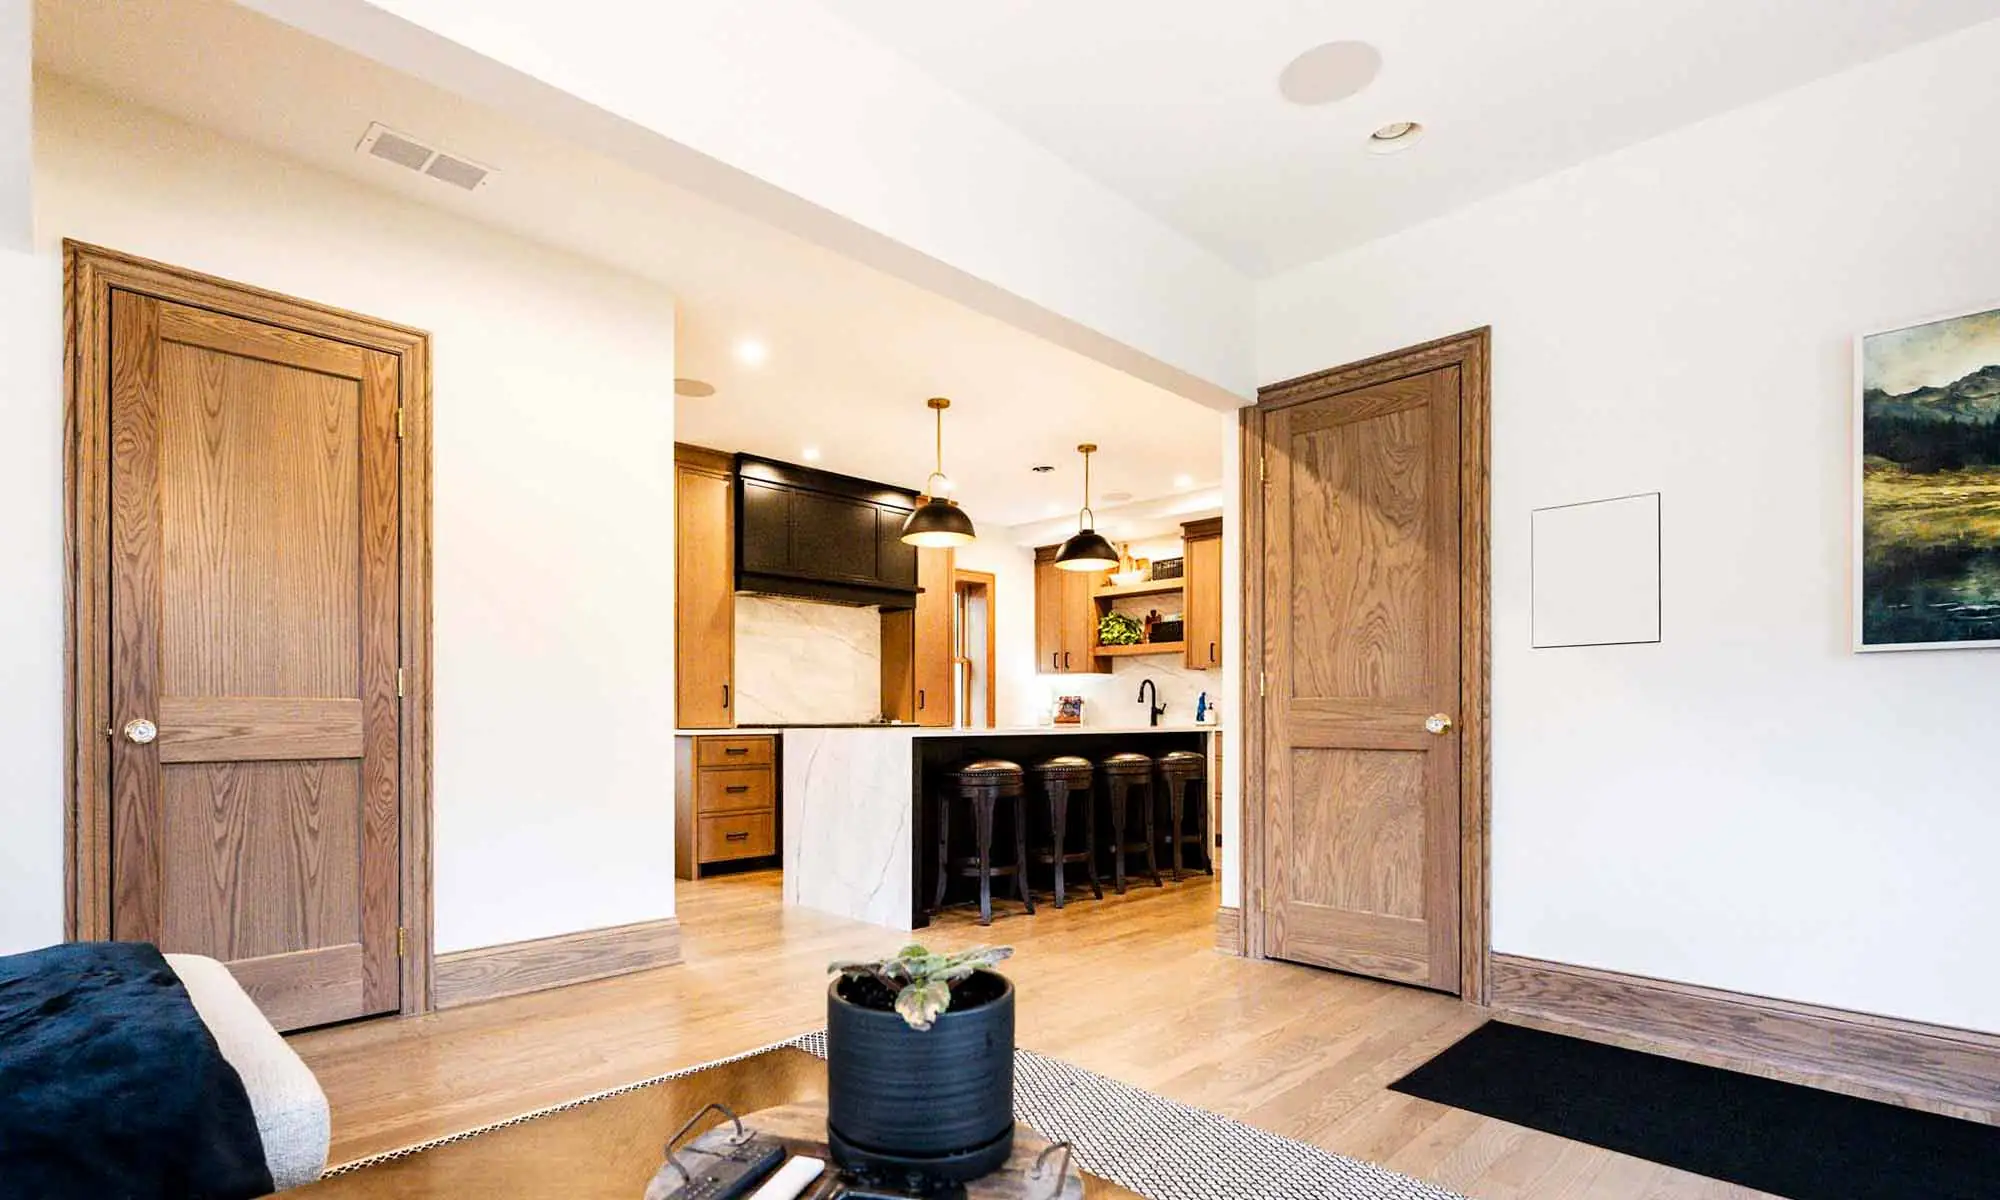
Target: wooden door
(1361,662)
(934,640)
(254,651)
(704,590)
(1202,577)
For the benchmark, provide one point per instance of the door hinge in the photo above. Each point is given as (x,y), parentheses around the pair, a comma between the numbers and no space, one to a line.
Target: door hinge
(402,941)
(399,683)
(1263,472)
(399,423)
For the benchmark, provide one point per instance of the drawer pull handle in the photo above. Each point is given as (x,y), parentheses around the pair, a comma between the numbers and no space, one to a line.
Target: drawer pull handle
(737,788)
(736,749)
(736,837)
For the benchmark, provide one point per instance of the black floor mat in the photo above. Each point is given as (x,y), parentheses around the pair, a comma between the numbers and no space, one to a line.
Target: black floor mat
(1777,1137)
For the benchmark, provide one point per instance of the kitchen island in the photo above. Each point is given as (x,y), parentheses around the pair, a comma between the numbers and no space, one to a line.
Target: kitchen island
(857,835)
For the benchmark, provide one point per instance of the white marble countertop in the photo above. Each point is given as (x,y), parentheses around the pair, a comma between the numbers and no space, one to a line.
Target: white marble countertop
(1065,730)
(931,732)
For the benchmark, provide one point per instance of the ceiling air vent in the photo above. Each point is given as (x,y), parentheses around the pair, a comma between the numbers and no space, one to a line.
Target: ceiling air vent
(405,151)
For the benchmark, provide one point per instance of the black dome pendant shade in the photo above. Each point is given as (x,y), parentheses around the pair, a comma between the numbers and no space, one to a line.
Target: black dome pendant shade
(1086,550)
(938,521)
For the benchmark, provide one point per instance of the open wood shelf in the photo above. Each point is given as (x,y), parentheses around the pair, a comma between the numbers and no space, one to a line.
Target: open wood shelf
(1151,587)
(1142,648)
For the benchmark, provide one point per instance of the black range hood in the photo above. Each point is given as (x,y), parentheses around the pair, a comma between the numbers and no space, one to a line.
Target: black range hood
(815,535)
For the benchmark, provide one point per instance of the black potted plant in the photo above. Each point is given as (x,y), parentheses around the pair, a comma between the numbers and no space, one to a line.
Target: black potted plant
(920,1065)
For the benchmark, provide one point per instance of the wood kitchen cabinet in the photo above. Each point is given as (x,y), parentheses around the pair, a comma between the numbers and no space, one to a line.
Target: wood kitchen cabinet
(1065,618)
(917,647)
(704,589)
(725,801)
(1202,612)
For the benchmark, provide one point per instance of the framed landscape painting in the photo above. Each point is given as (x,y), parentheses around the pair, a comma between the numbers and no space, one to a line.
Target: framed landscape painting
(1927,496)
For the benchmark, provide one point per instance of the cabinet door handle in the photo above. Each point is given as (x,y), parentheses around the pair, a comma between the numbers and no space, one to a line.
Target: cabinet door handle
(737,837)
(920,699)
(1065,660)
(737,789)
(725,695)
(1055,660)
(1211,652)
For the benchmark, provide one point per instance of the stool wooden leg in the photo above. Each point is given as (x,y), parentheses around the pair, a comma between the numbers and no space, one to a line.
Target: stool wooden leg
(1115,790)
(944,849)
(1152,838)
(1021,853)
(982,820)
(1090,842)
(1059,831)
(1176,797)
(1207,834)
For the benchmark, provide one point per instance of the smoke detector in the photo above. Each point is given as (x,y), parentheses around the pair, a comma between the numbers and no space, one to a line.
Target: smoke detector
(405,151)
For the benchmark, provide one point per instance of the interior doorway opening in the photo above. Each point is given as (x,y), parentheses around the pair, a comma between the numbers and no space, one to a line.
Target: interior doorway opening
(975,692)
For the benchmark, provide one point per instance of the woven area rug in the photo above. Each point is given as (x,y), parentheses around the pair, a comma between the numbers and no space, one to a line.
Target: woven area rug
(1144,1143)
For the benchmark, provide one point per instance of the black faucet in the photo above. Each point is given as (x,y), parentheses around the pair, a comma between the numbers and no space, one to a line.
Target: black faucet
(1153,714)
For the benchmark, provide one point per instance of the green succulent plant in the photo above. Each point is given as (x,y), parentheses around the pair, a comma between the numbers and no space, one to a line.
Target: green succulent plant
(920,981)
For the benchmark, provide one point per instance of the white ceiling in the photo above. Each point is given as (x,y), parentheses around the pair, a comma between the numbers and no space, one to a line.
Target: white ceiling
(853,352)
(1175,103)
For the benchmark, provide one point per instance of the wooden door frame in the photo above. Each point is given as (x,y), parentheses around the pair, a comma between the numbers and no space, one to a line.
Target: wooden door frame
(90,273)
(984,581)
(1471,353)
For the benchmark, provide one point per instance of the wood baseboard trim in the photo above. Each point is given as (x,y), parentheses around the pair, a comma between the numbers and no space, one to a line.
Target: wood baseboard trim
(490,972)
(1229,930)
(1935,1068)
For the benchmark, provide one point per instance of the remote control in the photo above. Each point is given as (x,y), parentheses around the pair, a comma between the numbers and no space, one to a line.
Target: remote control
(791,1180)
(718,1169)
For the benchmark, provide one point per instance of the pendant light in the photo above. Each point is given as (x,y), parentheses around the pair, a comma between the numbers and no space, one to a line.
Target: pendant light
(938,522)
(1087,551)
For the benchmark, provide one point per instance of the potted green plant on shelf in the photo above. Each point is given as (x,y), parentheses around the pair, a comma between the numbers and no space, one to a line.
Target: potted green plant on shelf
(1118,629)
(920,1065)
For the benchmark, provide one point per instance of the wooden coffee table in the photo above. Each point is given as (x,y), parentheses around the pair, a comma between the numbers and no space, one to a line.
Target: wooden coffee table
(610,1148)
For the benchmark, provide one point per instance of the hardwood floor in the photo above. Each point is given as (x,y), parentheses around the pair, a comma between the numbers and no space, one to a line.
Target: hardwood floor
(1131,987)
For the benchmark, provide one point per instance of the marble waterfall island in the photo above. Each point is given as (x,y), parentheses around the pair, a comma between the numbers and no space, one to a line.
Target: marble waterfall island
(856,833)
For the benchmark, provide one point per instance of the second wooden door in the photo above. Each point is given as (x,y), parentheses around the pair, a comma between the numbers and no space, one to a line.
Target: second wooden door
(255,543)
(1360,563)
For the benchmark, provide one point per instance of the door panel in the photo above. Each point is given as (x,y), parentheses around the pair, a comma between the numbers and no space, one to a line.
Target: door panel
(1361,552)
(933,654)
(256,536)
(705,598)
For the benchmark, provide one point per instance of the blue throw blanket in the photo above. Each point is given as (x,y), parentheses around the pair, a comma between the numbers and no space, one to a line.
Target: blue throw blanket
(111,1086)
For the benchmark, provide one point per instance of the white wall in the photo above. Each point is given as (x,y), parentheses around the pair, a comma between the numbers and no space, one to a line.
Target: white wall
(16,122)
(1746,805)
(553,483)
(781,110)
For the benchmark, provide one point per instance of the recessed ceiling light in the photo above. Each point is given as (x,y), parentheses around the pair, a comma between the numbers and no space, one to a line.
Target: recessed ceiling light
(1329,72)
(751,352)
(1395,137)
(810,454)
(1183,482)
(1041,468)
(696,388)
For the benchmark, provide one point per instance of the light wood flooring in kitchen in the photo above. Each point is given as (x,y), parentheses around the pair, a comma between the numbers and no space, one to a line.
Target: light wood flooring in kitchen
(1130,987)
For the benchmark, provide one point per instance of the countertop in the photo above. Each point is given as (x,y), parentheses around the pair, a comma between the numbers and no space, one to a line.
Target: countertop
(927,732)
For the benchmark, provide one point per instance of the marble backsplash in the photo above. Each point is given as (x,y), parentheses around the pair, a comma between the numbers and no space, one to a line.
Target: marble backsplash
(1113,699)
(801,662)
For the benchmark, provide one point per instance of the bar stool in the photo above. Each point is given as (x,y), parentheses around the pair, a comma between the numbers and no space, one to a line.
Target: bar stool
(1060,776)
(1178,769)
(1125,773)
(983,783)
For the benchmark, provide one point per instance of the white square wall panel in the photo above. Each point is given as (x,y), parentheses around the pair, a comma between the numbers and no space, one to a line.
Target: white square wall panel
(1597,572)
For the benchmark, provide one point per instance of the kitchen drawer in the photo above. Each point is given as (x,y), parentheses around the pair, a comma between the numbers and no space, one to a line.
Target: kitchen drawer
(737,835)
(757,751)
(735,789)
